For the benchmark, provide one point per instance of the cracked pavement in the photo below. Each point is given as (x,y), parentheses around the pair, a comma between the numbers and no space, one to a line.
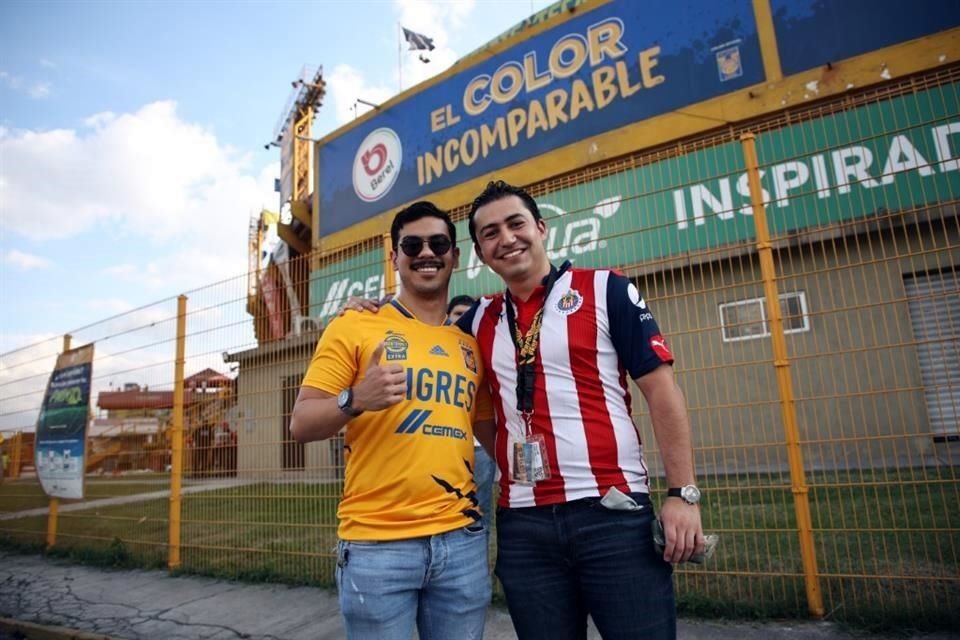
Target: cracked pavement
(143,604)
(153,604)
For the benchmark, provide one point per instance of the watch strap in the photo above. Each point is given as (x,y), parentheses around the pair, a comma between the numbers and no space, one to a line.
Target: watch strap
(347,406)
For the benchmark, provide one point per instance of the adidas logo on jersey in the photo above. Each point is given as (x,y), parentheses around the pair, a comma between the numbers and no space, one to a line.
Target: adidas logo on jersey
(438,351)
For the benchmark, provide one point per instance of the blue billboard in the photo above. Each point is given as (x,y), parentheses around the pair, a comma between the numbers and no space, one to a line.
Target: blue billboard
(61,441)
(812,33)
(603,69)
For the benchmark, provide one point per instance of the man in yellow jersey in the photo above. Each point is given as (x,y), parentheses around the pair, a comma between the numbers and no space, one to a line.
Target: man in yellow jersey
(409,387)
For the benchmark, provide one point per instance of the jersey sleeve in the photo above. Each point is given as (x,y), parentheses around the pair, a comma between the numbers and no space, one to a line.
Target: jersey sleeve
(640,346)
(335,361)
(465,322)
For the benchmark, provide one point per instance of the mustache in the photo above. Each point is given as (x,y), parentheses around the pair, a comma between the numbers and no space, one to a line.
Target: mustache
(427,263)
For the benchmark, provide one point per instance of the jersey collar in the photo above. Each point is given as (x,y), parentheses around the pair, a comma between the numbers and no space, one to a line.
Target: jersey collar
(408,314)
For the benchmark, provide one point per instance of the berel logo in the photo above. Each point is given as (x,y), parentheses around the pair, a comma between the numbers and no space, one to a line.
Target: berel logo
(376,165)
(380,152)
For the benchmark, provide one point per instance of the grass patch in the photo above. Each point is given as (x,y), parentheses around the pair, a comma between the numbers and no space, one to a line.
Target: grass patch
(26,493)
(886,543)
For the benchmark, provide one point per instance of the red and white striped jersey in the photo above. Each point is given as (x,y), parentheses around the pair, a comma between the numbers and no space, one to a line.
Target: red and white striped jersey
(597,331)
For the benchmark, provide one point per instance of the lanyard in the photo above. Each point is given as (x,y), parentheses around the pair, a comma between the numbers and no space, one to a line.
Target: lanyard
(526,346)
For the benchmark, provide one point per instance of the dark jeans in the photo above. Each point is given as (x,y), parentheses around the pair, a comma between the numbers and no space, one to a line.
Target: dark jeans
(561,562)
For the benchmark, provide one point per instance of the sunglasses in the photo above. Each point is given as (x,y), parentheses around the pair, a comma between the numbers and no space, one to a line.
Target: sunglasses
(413,245)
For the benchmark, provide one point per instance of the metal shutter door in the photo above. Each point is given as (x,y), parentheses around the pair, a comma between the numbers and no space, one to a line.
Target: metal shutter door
(934,303)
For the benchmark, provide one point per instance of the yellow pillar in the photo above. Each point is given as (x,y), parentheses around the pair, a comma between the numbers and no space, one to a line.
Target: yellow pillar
(768,41)
(16,458)
(781,365)
(55,502)
(176,437)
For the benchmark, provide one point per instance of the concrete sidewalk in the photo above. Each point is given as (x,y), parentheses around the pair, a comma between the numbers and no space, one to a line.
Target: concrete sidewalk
(152,604)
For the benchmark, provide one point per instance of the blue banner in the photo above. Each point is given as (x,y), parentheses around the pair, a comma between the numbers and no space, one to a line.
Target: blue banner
(609,67)
(60,448)
(812,33)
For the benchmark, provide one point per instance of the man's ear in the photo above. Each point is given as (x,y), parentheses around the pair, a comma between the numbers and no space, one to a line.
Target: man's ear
(476,249)
(393,260)
(542,227)
(456,257)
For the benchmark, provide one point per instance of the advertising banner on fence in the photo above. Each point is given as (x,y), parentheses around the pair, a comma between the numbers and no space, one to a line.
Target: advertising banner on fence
(608,67)
(893,155)
(62,426)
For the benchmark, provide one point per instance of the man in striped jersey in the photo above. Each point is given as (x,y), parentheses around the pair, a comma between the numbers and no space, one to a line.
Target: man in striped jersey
(574,518)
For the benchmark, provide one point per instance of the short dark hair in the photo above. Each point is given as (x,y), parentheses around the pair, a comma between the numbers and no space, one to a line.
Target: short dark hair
(456,301)
(496,191)
(422,209)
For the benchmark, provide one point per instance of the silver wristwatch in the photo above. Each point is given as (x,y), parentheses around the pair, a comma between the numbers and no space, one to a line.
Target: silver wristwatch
(688,493)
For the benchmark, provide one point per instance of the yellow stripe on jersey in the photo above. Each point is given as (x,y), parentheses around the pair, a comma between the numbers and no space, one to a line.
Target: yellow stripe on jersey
(408,467)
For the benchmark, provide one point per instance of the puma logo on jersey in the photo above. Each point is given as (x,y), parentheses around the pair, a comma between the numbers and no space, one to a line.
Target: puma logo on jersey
(659,346)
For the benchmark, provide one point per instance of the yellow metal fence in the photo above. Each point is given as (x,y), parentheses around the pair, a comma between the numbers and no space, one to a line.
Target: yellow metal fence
(806,270)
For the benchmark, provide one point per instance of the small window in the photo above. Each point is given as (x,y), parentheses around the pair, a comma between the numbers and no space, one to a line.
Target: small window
(747,319)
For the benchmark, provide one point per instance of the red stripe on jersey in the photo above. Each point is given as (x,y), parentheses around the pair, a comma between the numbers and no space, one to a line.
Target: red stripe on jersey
(485,338)
(598,427)
(550,491)
(627,398)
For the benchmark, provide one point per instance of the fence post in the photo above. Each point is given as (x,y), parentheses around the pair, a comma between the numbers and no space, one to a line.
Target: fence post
(389,275)
(16,459)
(781,363)
(176,437)
(54,509)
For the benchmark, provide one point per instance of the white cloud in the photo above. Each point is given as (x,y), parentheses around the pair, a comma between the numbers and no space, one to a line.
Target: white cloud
(49,64)
(25,364)
(99,120)
(10,81)
(36,90)
(148,175)
(25,261)
(39,90)
(346,84)
(439,21)
(436,20)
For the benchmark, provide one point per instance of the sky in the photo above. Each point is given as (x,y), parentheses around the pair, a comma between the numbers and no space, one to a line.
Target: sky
(132,134)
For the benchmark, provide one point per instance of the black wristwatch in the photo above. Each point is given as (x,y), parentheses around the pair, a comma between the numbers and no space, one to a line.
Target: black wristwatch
(345,403)
(688,493)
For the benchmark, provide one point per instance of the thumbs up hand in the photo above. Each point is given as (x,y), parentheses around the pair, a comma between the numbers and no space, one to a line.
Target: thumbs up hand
(383,385)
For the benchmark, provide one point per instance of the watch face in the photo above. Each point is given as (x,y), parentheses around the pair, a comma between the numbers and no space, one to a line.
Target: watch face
(343,400)
(690,493)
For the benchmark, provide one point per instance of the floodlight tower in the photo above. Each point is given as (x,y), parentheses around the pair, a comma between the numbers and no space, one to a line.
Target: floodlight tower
(278,291)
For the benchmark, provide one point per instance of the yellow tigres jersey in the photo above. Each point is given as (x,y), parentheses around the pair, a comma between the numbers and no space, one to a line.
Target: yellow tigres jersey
(408,467)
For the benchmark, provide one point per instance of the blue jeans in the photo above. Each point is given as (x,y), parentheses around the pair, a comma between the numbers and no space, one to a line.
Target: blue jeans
(483,470)
(561,562)
(440,584)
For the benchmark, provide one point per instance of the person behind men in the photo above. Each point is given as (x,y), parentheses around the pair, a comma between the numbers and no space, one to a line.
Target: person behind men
(483,468)
(407,384)
(458,306)
(574,524)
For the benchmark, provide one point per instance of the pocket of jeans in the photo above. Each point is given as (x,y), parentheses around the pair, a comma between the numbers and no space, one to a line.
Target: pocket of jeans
(641,504)
(475,529)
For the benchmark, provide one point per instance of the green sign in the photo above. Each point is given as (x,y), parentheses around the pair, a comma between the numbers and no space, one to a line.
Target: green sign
(862,163)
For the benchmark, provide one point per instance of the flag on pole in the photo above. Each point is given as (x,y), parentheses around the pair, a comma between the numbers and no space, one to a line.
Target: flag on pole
(417,41)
